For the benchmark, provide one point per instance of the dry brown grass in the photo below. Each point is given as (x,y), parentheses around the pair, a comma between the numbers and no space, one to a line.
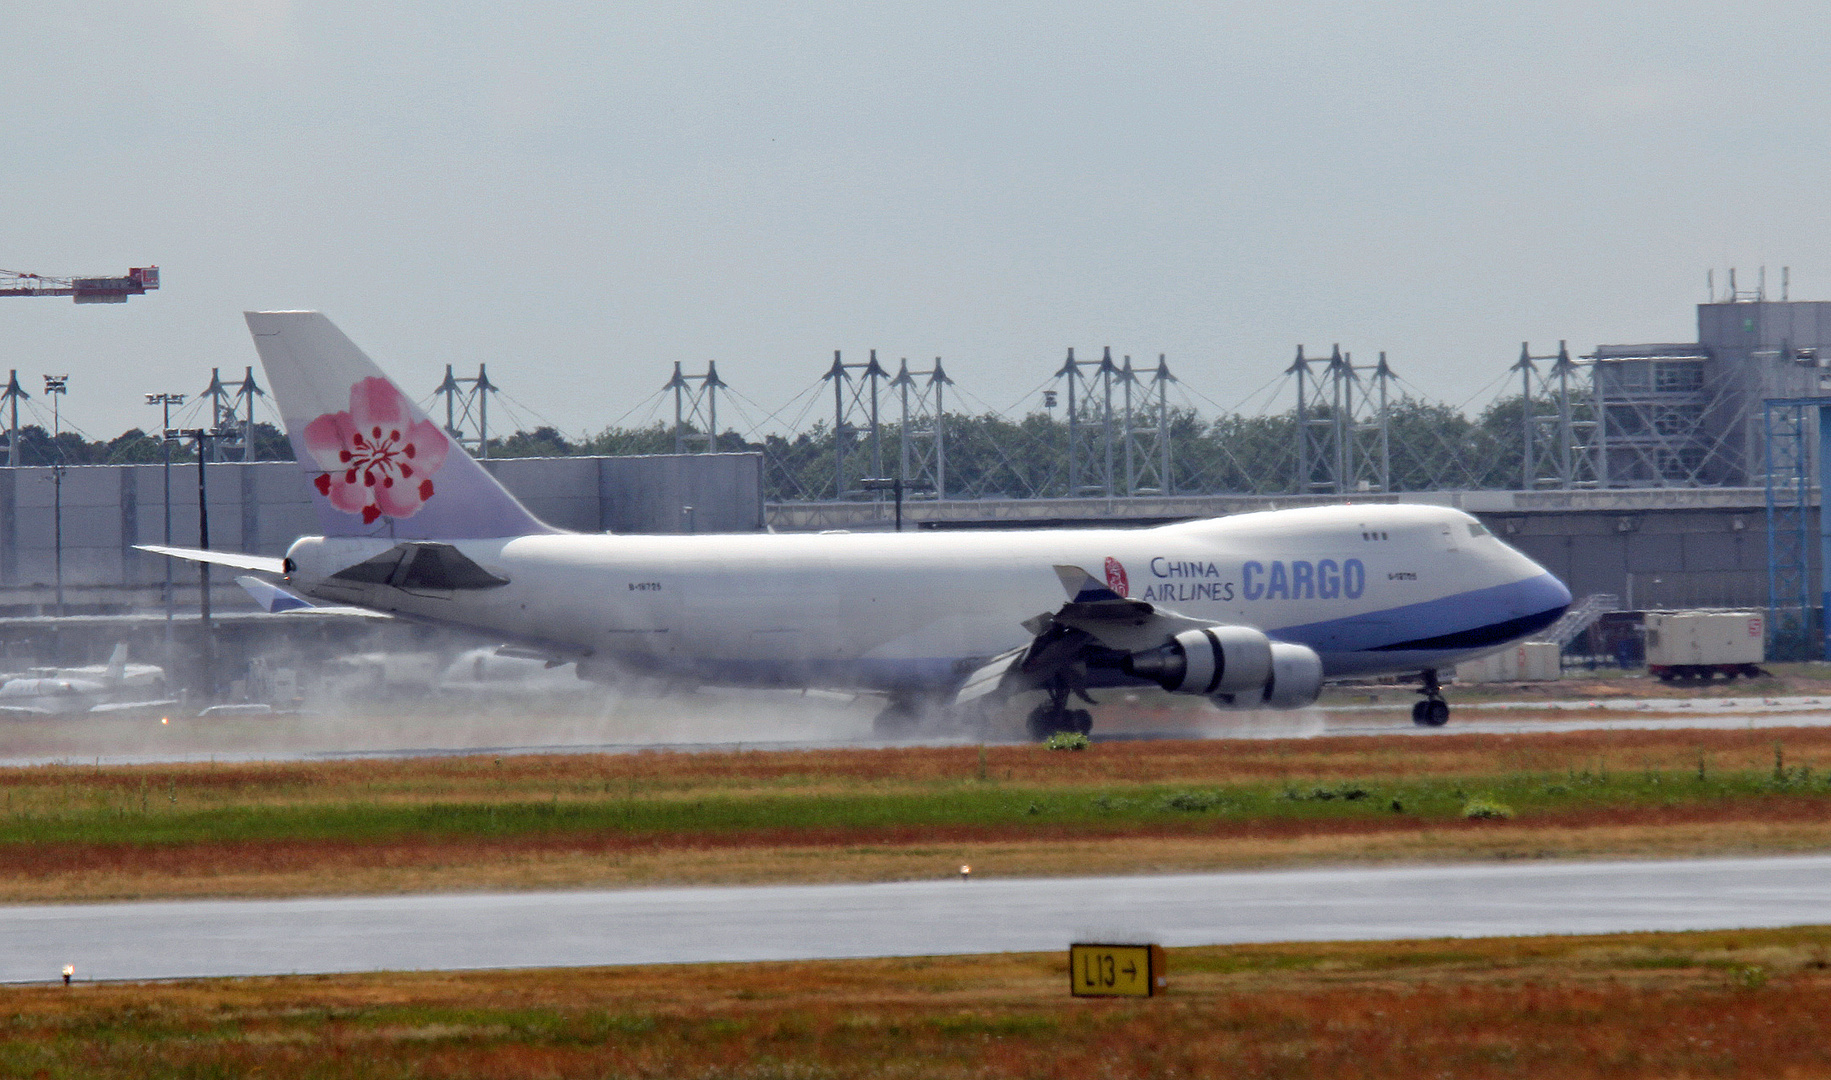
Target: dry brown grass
(55,873)
(1740,1004)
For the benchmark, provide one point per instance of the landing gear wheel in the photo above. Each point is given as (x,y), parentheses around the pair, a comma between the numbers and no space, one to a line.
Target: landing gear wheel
(1433,711)
(1051,718)
(1044,720)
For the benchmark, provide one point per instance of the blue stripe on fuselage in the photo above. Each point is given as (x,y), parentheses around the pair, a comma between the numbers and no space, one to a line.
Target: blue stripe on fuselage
(1449,615)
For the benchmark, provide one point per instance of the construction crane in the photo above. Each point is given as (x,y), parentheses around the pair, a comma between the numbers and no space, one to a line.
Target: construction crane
(84,290)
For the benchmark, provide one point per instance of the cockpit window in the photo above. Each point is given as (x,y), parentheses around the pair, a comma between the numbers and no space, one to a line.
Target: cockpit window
(1477,529)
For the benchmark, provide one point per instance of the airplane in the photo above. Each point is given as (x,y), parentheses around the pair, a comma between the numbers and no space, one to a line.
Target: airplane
(94,688)
(1251,611)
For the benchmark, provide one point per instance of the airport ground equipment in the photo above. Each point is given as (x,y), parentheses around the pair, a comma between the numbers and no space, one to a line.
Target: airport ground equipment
(1527,661)
(1705,644)
(1580,618)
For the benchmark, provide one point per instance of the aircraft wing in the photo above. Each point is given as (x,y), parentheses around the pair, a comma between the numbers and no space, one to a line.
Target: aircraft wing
(130,706)
(266,564)
(990,677)
(1096,624)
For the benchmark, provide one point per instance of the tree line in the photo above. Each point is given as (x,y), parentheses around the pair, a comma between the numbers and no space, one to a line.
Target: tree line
(133,446)
(1430,446)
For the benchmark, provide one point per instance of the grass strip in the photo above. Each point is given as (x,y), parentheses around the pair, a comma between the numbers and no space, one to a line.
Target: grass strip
(1727,1004)
(263,829)
(1065,810)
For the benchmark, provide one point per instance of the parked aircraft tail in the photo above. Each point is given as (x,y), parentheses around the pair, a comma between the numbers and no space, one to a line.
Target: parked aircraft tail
(117,665)
(379,467)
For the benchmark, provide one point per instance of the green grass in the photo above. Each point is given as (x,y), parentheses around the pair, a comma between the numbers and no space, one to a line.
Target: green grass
(945,804)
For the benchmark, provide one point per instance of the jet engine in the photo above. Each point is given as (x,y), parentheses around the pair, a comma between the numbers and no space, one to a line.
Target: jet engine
(1295,681)
(1207,660)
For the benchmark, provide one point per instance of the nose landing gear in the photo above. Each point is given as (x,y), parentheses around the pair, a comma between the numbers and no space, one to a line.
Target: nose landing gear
(1433,711)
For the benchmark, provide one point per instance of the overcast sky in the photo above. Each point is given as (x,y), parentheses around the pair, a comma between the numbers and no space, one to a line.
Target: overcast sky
(580,195)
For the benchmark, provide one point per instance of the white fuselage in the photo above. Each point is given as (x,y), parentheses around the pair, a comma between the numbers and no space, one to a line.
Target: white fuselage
(1371,588)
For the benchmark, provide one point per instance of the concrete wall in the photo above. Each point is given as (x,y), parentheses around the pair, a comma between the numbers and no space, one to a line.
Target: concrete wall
(1677,558)
(261,507)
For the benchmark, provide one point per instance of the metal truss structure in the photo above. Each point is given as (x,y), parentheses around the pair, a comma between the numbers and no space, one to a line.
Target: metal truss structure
(232,416)
(1558,422)
(467,403)
(855,409)
(696,409)
(1344,434)
(1787,427)
(1315,427)
(1090,423)
(922,435)
(1661,423)
(10,397)
(1145,429)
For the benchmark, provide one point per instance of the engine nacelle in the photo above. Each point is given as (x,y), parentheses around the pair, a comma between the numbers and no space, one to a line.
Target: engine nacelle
(1209,660)
(1294,682)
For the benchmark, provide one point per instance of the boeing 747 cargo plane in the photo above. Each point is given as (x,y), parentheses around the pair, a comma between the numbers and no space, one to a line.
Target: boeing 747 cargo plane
(1251,611)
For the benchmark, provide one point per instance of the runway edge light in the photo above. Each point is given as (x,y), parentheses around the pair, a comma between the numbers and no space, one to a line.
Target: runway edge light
(1114,970)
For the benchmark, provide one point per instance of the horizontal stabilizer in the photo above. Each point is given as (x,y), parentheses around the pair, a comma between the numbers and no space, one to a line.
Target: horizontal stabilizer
(271,597)
(277,601)
(265,564)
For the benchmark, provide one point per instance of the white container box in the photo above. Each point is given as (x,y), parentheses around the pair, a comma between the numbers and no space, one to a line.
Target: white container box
(1705,637)
(1525,661)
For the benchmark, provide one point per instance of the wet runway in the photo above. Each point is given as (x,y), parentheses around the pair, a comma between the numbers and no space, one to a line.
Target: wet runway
(778,720)
(559,929)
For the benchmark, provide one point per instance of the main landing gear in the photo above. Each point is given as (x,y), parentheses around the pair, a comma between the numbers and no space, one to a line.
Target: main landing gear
(1433,711)
(1054,715)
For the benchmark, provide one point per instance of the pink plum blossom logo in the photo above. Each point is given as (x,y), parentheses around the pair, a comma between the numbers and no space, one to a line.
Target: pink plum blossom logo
(377,459)
(1115,577)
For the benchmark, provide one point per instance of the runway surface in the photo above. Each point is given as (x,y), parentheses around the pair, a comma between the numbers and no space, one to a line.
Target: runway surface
(716,719)
(563,929)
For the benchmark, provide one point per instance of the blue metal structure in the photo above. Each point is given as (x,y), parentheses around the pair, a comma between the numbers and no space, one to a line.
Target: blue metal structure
(1787,425)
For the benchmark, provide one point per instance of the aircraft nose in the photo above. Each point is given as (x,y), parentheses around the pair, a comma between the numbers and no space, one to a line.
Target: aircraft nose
(1547,586)
(1563,590)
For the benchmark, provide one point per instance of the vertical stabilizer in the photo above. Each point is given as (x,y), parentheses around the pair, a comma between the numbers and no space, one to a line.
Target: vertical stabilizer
(117,665)
(378,466)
